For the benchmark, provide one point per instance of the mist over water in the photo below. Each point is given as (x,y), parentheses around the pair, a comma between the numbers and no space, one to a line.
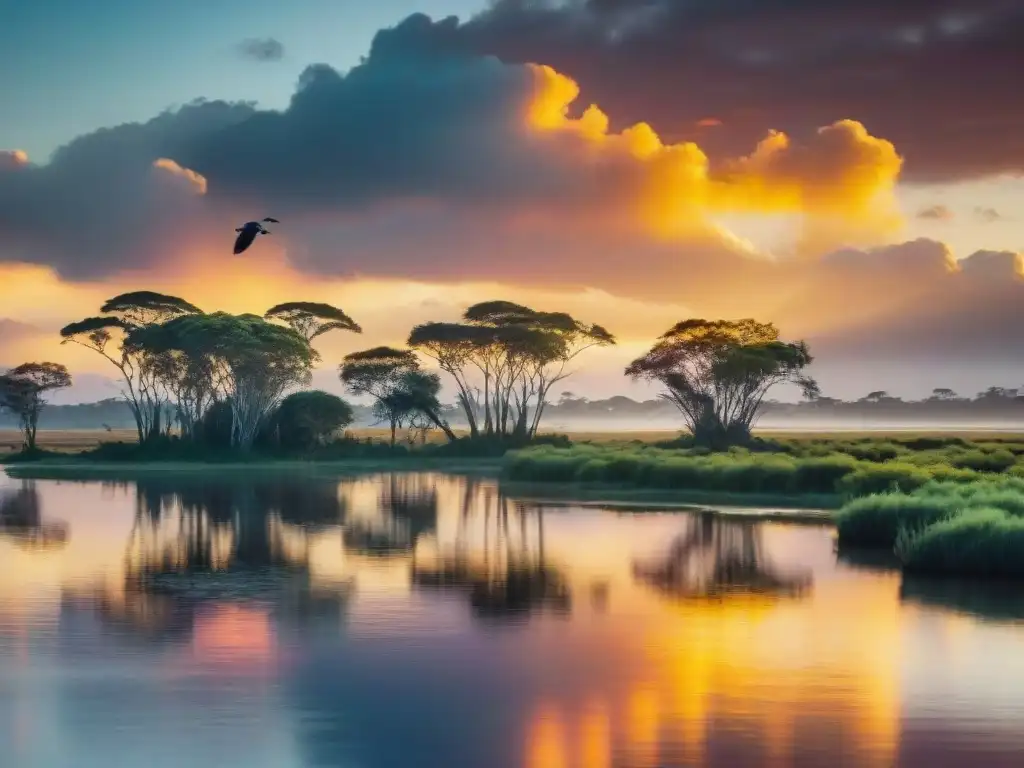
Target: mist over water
(794,425)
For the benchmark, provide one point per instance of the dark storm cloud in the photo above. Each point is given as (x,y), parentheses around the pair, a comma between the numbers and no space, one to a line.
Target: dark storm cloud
(405,122)
(100,205)
(936,78)
(265,49)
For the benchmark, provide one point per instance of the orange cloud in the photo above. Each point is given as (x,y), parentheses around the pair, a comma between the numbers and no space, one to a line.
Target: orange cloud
(843,179)
(12,159)
(194,182)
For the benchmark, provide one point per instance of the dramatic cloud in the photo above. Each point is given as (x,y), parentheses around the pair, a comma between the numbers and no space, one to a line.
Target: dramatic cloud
(935,213)
(112,199)
(266,49)
(430,176)
(931,77)
(12,160)
(418,161)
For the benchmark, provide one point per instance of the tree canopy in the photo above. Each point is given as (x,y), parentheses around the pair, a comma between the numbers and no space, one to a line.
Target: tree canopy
(381,373)
(124,314)
(22,391)
(717,373)
(311,319)
(504,358)
(250,362)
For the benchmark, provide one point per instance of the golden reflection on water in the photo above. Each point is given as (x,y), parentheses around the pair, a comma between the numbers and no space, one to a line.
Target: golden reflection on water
(704,634)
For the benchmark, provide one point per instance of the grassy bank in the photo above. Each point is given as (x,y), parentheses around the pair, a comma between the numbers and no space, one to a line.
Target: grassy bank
(837,468)
(77,440)
(971,529)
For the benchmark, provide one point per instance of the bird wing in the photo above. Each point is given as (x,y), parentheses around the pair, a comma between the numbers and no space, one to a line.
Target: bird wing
(244,240)
(275,221)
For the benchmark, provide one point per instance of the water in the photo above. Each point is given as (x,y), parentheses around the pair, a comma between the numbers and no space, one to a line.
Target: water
(424,620)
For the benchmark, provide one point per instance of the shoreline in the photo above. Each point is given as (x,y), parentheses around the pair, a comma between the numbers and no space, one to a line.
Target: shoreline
(817,508)
(59,469)
(807,506)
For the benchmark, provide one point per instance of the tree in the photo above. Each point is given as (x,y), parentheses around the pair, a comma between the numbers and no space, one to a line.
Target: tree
(306,419)
(458,348)
(311,319)
(717,373)
(22,391)
(123,314)
(943,393)
(414,401)
(183,369)
(515,353)
(378,373)
(996,394)
(251,362)
(876,396)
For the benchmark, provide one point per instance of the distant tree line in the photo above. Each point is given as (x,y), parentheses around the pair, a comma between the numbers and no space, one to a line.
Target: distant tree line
(237,380)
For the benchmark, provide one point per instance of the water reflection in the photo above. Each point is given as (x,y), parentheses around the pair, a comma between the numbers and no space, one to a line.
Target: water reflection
(406,509)
(420,619)
(992,601)
(714,557)
(504,573)
(232,551)
(21,520)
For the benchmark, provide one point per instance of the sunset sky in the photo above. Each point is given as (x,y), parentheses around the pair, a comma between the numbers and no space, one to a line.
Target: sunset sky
(848,170)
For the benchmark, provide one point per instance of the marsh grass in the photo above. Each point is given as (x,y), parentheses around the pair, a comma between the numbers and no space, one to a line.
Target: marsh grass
(981,542)
(845,468)
(973,529)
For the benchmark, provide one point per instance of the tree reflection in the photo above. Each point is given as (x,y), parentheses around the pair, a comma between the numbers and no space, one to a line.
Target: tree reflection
(507,575)
(21,520)
(407,507)
(714,558)
(197,543)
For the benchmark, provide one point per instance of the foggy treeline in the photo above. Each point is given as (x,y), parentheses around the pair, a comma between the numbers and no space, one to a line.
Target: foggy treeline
(571,410)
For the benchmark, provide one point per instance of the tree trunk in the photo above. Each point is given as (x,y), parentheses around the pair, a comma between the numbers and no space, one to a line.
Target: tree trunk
(469,406)
(440,424)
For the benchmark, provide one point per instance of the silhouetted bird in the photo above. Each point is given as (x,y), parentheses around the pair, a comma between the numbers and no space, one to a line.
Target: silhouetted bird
(248,231)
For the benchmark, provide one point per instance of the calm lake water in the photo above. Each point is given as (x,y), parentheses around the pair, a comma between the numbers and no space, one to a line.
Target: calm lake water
(412,620)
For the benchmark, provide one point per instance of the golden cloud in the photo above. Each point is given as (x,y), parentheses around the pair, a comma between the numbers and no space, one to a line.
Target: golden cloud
(843,178)
(193,182)
(12,159)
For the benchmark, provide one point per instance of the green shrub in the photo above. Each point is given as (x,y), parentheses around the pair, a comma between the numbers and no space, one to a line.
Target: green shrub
(871,451)
(982,461)
(984,541)
(877,520)
(305,420)
(879,478)
(822,475)
(817,466)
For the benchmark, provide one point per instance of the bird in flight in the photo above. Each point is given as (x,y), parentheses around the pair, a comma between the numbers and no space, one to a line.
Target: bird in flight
(248,231)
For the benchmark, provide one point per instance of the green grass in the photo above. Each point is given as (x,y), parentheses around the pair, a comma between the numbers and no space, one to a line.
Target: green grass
(842,469)
(973,529)
(981,542)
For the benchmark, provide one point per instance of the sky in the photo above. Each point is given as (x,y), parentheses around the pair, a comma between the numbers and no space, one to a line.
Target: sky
(850,171)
